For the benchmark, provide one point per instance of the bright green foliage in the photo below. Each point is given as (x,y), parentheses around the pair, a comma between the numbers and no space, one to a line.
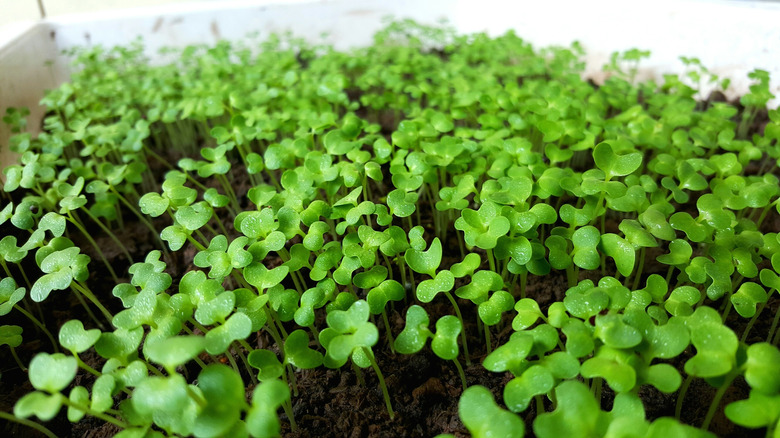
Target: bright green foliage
(299,200)
(60,268)
(483,227)
(52,372)
(75,338)
(415,333)
(348,333)
(261,421)
(484,418)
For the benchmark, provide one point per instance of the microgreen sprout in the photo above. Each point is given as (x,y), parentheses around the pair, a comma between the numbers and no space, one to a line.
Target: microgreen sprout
(584,237)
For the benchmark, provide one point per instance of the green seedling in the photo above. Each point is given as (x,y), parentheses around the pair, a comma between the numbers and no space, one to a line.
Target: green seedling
(349,334)
(484,418)
(262,420)
(303,196)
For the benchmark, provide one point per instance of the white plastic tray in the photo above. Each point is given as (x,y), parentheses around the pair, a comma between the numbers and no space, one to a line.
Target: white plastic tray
(731,38)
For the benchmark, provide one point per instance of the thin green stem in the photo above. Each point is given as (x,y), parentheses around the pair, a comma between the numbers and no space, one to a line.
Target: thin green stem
(86,307)
(387,330)
(491,260)
(141,218)
(539,404)
(461,373)
(488,345)
(94,244)
(293,379)
(29,423)
(110,234)
(681,396)
(381,378)
(90,296)
(287,407)
(232,361)
(705,425)
(773,328)
(462,332)
(638,274)
(40,326)
(752,321)
(16,358)
(94,413)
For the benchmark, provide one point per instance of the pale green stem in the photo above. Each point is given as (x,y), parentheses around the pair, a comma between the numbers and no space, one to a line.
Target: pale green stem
(110,234)
(387,329)
(381,378)
(40,326)
(752,321)
(94,244)
(232,361)
(293,379)
(29,423)
(487,339)
(460,373)
(773,328)
(86,307)
(90,296)
(142,219)
(491,260)
(94,413)
(16,358)
(681,396)
(462,332)
(716,400)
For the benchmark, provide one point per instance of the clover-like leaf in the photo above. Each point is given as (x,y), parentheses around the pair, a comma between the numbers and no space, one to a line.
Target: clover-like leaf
(761,368)
(621,251)
(175,351)
(681,300)
(74,338)
(614,332)
(716,345)
(484,418)
(267,398)
(378,297)
(612,367)
(223,391)
(61,268)
(490,311)
(415,333)
(747,297)
(352,331)
(267,364)
(528,313)
(577,413)
(9,295)
(297,352)
(758,410)
(483,227)
(614,164)
(425,262)
(510,356)
(263,278)
(585,241)
(519,392)
(11,335)
(52,372)
(42,405)
(445,340)
(167,401)
(428,289)
(218,339)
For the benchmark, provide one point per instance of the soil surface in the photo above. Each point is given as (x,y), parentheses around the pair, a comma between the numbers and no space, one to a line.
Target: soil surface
(344,403)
